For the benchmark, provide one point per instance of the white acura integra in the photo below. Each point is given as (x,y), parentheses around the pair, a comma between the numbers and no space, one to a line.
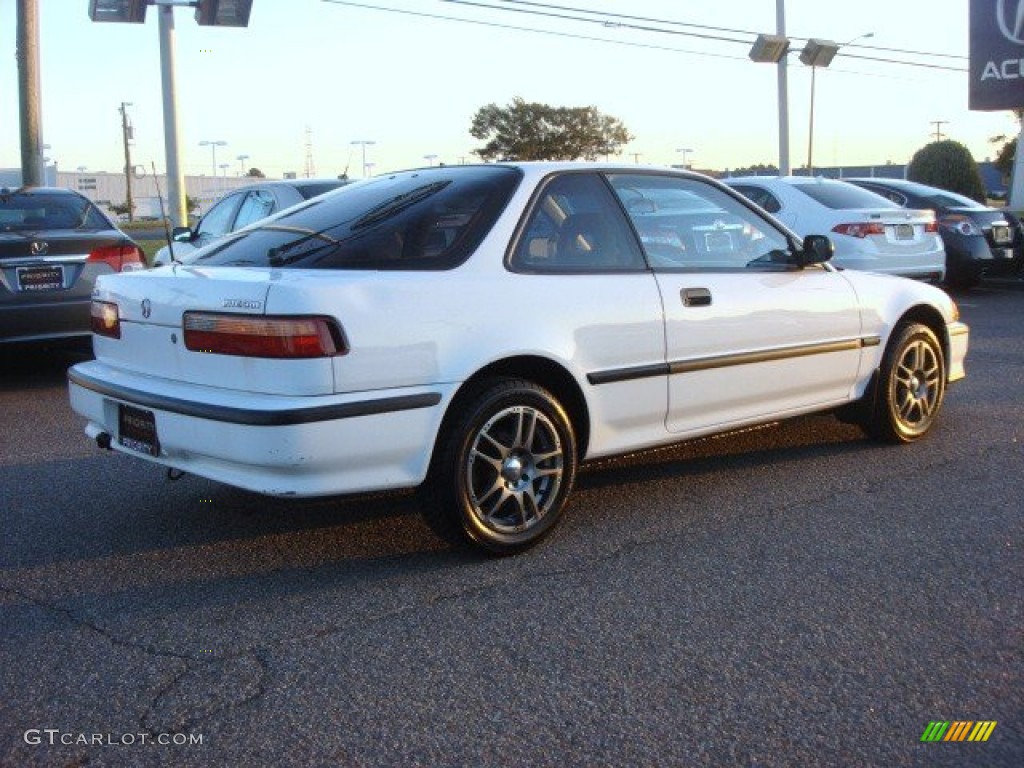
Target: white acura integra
(478,331)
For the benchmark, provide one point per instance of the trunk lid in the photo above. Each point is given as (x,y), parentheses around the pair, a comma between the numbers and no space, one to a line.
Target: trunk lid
(151,306)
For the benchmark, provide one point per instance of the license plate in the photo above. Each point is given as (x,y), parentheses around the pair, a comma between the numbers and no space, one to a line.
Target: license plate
(904,231)
(137,430)
(45,278)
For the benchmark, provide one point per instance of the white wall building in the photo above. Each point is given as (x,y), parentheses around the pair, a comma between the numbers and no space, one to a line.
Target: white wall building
(105,188)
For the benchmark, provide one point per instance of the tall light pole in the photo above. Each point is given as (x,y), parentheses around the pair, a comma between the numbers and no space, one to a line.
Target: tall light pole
(819,53)
(213,149)
(241,164)
(783,88)
(33,171)
(685,151)
(772,49)
(365,143)
(430,159)
(126,134)
(207,13)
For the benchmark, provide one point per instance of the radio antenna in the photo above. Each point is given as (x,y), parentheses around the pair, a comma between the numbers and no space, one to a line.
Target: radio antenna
(163,214)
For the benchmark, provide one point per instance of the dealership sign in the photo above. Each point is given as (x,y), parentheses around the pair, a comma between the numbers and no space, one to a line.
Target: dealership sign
(997,55)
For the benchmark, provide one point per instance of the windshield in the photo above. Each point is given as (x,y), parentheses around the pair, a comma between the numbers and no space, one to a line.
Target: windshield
(426,219)
(29,211)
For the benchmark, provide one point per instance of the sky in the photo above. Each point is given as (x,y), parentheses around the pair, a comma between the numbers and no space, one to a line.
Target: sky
(310,77)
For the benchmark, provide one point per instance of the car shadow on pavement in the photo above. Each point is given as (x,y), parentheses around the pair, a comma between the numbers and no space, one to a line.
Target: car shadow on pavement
(40,366)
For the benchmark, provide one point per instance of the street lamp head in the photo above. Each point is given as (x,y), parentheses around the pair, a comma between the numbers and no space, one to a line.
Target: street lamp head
(213,143)
(819,53)
(769,49)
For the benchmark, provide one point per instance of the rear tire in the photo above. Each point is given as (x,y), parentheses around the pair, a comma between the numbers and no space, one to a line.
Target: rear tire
(502,469)
(910,387)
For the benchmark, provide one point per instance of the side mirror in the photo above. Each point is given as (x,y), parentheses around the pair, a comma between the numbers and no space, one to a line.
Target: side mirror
(817,249)
(181,234)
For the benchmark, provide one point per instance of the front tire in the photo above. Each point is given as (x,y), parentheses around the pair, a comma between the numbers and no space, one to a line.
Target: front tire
(503,469)
(911,386)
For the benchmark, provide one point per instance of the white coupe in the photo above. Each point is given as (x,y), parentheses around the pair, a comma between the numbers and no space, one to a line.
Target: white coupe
(478,331)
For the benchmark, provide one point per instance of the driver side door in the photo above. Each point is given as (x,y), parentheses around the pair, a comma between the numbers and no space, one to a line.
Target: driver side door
(749,335)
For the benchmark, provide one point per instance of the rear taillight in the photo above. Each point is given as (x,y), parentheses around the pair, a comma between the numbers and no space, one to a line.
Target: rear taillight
(962,224)
(105,320)
(862,229)
(276,337)
(120,258)
(931,227)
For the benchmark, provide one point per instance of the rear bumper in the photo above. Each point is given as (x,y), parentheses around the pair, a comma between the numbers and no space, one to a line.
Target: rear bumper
(280,446)
(972,256)
(22,321)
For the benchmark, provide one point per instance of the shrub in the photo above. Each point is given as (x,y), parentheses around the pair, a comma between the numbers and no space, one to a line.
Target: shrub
(948,165)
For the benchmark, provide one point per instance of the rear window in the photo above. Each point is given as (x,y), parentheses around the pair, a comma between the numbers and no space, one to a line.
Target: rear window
(427,219)
(312,190)
(838,194)
(30,211)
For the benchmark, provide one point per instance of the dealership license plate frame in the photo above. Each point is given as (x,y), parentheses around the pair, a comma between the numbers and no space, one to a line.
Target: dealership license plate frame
(43,277)
(136,430)
(904,231)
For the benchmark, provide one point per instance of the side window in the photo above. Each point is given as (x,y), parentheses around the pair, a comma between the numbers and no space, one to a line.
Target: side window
(760,196)
(217,221)
(690,224)
(257,205)
(576,226)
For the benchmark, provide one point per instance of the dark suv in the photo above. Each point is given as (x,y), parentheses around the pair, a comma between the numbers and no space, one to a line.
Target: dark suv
(979,240)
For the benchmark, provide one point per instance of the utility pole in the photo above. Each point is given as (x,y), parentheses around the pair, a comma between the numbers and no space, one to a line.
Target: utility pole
(126,135)
(938,128)
(33,172)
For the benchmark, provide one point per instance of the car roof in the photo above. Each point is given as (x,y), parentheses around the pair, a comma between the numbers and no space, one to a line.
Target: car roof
(40,191)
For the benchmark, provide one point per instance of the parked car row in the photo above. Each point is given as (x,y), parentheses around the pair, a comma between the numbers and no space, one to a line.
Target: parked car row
(899,227)
(477,332)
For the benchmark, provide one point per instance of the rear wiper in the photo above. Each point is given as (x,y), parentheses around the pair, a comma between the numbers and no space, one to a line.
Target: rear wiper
(276,257)
(397,204)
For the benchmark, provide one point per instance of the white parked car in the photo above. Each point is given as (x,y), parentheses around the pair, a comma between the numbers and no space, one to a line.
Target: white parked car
(869,231)
(478,331)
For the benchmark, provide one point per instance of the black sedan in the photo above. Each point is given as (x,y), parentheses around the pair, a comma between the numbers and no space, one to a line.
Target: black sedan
(979,240)
(54,243)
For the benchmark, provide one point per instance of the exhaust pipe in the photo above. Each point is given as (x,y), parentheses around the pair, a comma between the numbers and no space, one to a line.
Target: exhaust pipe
(103,440)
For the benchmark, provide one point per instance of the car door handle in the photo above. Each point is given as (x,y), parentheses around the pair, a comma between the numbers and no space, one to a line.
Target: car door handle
(696,297)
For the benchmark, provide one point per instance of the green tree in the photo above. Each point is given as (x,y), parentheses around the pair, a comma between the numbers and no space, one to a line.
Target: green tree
(947,165)
(1004,158)
(191,204)
(532,131)
(256,173)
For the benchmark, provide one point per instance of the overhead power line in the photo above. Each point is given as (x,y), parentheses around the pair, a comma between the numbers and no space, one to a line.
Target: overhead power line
(672,22)
(628,43)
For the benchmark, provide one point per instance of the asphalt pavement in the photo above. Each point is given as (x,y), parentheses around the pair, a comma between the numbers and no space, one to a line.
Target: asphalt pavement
(792,595)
